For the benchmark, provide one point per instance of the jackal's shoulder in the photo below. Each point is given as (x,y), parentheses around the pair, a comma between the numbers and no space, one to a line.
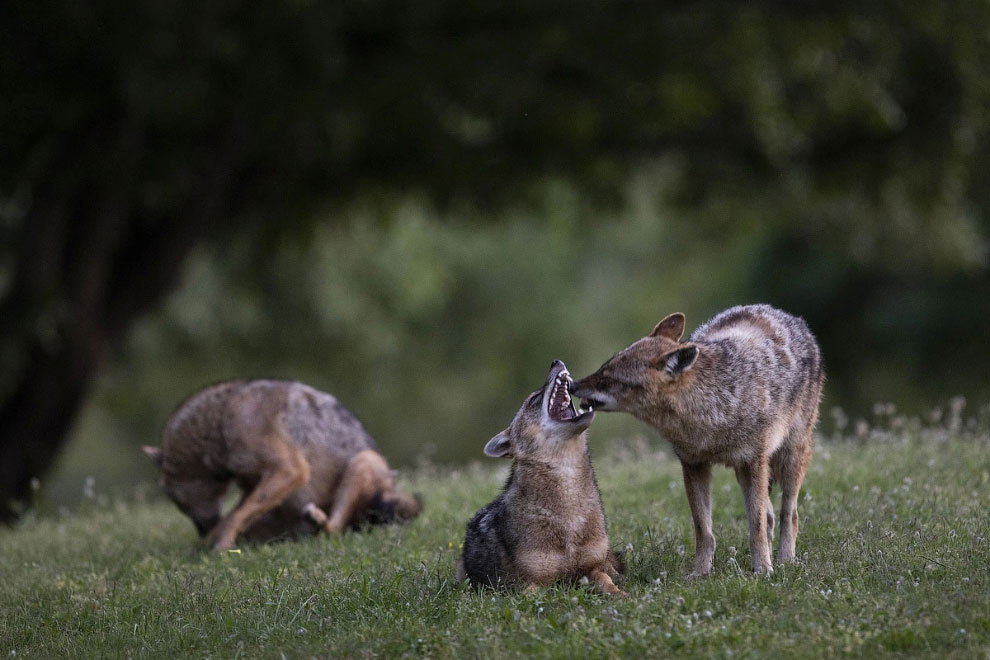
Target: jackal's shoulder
(757,320)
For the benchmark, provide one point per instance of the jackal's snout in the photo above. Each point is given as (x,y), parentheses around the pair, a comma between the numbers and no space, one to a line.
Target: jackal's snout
(593,392)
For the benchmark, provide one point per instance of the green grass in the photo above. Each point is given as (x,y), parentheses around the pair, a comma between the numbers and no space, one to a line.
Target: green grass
(895,545)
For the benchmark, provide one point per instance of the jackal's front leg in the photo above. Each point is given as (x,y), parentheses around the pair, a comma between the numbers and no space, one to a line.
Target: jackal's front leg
(697,483)
(315,514)
(754,481)
(603,583)
(281,478)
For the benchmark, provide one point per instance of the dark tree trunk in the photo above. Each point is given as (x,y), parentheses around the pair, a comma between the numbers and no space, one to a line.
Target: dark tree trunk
(85,269)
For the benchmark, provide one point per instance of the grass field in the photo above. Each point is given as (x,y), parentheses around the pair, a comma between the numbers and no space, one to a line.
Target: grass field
(895,548)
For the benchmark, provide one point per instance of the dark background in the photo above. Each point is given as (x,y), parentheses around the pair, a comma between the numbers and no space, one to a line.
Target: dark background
(416,206)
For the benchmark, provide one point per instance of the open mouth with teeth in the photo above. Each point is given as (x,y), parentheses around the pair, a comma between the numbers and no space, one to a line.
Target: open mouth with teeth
(560,405)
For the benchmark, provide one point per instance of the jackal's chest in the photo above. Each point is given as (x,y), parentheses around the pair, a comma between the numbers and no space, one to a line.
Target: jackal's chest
(556,544)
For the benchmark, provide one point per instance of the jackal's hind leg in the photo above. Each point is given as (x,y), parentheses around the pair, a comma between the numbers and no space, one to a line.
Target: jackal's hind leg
(792,467)
(367,474)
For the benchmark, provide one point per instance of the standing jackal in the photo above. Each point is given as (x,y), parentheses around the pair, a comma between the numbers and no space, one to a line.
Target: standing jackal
(548,522)
(294,452)
(744,392)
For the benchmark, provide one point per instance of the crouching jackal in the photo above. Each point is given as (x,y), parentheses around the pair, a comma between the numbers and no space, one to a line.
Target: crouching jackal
(744,392)
(548,522)
(294,451)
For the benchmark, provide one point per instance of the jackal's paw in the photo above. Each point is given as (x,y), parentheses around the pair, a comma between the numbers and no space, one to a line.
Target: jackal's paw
(219,540)
(222,545)
(315,514)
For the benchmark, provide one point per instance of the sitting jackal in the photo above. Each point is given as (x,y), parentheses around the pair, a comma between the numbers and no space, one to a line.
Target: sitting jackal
(294,452)
(744,392)
(548,522)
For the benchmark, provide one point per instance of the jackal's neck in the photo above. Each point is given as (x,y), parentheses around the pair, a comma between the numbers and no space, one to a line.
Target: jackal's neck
(568,467)
(700,396)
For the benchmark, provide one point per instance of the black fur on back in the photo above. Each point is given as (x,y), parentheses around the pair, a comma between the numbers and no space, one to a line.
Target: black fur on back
(488,552)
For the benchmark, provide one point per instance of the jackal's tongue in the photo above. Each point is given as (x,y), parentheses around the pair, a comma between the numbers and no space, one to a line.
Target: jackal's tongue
(559,407)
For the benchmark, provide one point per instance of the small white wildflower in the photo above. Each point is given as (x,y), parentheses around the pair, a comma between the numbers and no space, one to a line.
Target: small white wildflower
(732,551)
(855,489)
(680,551)
(708,613)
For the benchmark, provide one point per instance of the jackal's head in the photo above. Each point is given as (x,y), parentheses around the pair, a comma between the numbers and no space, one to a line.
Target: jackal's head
(198,498)
(641,372)
(545,422)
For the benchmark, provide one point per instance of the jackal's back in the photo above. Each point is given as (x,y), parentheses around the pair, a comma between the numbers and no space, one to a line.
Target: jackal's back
(233,416)
(769,350)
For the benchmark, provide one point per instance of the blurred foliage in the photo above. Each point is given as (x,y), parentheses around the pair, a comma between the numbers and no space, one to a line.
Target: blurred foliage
(433,327)
(417,205)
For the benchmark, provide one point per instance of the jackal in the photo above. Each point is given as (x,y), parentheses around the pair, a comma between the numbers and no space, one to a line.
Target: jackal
(548,522)
(743,391)
(293,451)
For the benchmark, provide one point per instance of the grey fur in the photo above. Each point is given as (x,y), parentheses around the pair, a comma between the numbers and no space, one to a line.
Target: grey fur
(548,523)
(743,391)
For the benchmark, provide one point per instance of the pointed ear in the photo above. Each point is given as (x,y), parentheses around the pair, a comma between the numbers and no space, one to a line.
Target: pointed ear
(678,361)
(671,327)
(499,446)
(154,453)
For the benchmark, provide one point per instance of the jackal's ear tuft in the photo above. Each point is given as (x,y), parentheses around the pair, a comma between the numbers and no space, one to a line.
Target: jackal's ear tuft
(672,327)
(679,361)
(154,453)
(500,446)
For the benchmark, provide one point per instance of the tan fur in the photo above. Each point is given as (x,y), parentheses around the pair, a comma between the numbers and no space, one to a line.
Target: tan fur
(292,450)
(743,391)
(548,523)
